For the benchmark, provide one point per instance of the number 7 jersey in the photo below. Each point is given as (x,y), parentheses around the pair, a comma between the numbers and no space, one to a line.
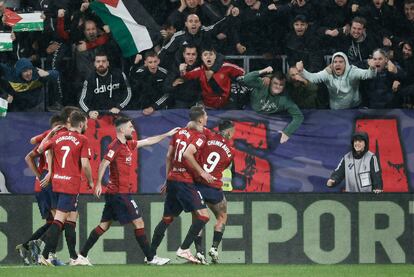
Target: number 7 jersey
(68,149)
(180,170)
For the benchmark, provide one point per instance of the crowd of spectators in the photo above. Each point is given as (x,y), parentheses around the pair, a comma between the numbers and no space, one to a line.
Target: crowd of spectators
(370,41)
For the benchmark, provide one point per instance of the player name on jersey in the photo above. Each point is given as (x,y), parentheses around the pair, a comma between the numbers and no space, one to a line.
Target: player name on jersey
(71,138)
(220,144)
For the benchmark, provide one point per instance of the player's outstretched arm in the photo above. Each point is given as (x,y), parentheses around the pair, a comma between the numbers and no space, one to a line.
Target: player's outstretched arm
(189,156)
(49,158)
(31,163)
(156,139)
(86,166)
(101,171)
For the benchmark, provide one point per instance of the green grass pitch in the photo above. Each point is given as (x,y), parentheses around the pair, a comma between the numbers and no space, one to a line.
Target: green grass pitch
(258,270)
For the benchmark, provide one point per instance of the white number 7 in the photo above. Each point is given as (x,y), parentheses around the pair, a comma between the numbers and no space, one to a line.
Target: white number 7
(67,150)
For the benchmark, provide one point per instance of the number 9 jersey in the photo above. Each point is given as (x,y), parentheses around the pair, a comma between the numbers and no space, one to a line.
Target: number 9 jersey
(216,155)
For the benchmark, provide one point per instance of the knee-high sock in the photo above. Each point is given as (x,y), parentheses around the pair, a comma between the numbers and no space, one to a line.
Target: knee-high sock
(70,236)
(198,244)
(38,233)
(92,239)
(159,233)
(52,237)
(194,230)
(217,238)
(143,243)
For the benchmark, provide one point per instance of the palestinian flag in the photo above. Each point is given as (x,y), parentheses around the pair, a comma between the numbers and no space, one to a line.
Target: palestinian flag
(131,26)
(6,43)
(23,22)
(3,107)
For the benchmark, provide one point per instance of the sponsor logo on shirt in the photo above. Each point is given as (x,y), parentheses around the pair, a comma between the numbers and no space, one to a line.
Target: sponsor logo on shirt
(57,176)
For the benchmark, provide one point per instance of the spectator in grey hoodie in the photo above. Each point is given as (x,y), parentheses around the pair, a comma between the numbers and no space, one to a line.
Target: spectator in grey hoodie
(341,79)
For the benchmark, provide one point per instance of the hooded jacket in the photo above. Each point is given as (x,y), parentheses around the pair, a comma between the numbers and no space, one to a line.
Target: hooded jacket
(105,92)
(26,94)
(264,102)
(343,89)
(361,171)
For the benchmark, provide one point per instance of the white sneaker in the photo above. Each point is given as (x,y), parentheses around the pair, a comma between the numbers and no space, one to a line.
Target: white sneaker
(201,258)
(186,254)
(213,253)
(81,260)
(157,261)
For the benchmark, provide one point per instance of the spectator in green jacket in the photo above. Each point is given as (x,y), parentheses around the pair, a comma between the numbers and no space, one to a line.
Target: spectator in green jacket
(272,98)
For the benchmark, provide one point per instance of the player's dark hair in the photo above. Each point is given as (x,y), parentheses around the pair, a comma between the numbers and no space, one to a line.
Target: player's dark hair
(196,112)
(55,120)
(66,111)
(121,120)
(225,124)
(77,117)
(208,48)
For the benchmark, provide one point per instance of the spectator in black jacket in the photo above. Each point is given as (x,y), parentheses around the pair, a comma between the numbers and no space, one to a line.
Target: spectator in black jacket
(358,45)
(204,11)
(404,56)
(405,29)
(147,85)
(335,16)
(184,93)
(302,44)
(381,20)
(194,34)
(107,89)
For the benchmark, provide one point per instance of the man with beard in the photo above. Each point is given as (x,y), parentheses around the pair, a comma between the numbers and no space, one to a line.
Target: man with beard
(71,155)
(341,79)
(359,168)
(106,89)
(359,45)
(119,205)
(184,94)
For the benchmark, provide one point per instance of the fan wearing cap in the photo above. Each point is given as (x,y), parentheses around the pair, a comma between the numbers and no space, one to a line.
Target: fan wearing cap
(359,168)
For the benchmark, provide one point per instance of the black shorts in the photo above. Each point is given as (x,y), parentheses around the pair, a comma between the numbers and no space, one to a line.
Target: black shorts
(182,196)
(46,200)
(120,207)
(67,202)
(210,195)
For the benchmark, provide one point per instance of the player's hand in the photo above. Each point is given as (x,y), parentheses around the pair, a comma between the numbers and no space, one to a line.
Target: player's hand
(299,66)
(98,190)
(56,128)
(284,138)
(10,99)
(207,176)
(376,191)
(371,64)
(173,131)
(183,68)
(93,114)
(46,180)
(266,81)
(330,183)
